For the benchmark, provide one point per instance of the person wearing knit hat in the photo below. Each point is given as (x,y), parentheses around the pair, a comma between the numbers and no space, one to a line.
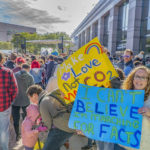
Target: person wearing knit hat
(19,62)
(36,72)
(35,64)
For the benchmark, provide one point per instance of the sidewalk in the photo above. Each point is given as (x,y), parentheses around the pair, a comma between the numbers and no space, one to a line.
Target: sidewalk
(13,145)
(75,142)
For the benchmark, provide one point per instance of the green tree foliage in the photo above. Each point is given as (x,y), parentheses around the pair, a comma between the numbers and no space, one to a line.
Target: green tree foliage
(36,47)
(6,45)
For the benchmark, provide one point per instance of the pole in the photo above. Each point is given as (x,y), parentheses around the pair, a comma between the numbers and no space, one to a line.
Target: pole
(62,45)
(17,45)
(17,41)
(25,45)
(39,144)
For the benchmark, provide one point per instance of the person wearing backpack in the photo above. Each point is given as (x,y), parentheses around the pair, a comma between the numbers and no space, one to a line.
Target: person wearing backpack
(55,115)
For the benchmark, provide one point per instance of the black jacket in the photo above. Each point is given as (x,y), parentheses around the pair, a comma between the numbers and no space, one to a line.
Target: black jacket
(10,64)
(50,68)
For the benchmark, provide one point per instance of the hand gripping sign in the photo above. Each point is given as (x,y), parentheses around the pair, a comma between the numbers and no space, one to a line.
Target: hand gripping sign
(89,65)
(109,115)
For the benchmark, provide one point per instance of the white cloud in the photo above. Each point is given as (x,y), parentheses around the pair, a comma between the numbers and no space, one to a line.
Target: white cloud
(46,15)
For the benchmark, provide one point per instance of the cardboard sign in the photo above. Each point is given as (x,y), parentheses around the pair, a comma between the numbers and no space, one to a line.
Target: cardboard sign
(89,65)
(109,115)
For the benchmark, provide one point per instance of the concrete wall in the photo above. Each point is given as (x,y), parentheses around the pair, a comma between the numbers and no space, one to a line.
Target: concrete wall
(111,7)
(7,30)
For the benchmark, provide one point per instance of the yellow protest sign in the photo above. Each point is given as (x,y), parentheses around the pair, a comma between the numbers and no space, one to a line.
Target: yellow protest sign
(89,65)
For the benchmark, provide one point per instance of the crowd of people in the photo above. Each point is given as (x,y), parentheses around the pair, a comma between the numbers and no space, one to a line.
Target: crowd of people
(29,84)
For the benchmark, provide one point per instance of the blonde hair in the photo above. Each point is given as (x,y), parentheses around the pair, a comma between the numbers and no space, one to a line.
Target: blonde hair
(41,60)
(128,83)
(130,51)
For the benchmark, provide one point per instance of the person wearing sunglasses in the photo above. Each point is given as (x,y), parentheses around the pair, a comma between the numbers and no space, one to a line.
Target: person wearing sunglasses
(128,55)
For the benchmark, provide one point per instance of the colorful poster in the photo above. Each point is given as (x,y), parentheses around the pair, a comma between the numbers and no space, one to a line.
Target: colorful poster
(109,115)
(89,65)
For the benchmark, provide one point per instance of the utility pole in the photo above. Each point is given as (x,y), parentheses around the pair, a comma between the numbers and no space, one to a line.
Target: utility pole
(23,45)
(17,41)
(62,45)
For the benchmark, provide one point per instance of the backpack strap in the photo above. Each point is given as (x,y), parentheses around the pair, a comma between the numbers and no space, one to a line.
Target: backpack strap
(68,107)
(41,98)
(65,107)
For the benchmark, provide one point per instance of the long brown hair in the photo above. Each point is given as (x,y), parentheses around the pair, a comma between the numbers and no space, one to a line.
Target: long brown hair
(128,82)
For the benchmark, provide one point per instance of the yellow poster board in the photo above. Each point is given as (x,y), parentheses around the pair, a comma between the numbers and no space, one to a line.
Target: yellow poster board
(89,65)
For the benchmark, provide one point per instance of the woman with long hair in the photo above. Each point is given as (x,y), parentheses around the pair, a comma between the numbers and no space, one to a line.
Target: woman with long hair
(139,79)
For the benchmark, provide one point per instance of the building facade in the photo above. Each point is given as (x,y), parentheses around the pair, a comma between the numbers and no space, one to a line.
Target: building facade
(119,24)
(7,30)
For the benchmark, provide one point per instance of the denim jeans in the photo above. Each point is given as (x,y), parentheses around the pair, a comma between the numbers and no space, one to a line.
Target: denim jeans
(108,146)
(104,146)
(56,138)
(4,128)
(89,142)
(28,148)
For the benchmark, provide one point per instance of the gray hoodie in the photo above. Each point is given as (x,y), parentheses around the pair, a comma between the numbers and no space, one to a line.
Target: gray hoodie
(24,80)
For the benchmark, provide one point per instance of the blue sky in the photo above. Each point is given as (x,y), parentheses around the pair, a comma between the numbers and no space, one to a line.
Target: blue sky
(46,15)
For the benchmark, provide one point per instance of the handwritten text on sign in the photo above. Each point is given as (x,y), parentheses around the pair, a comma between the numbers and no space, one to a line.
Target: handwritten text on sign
(109,115)
(89,65)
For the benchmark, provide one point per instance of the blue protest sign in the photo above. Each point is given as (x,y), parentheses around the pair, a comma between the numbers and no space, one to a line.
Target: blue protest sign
(109,115)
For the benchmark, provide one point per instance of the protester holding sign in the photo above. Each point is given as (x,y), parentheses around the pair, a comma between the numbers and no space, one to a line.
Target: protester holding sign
(139,79)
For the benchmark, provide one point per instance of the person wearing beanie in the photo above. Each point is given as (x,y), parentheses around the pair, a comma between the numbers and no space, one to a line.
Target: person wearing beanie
(35,64)
(36,72)
(19,62)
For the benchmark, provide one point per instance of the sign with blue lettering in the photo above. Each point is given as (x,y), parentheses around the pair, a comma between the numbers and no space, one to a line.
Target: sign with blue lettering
(109,115)
(89,65)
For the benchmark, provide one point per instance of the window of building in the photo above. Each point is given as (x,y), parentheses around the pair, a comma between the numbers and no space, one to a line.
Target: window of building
(106,31)
(145,27)
(95,29)
(122,26)
(88,33)
(83,38)
(79,41)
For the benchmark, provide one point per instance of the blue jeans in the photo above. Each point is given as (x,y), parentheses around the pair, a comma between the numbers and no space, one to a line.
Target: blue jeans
(89,142)
(28,148)
(56,138)
(4,128)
